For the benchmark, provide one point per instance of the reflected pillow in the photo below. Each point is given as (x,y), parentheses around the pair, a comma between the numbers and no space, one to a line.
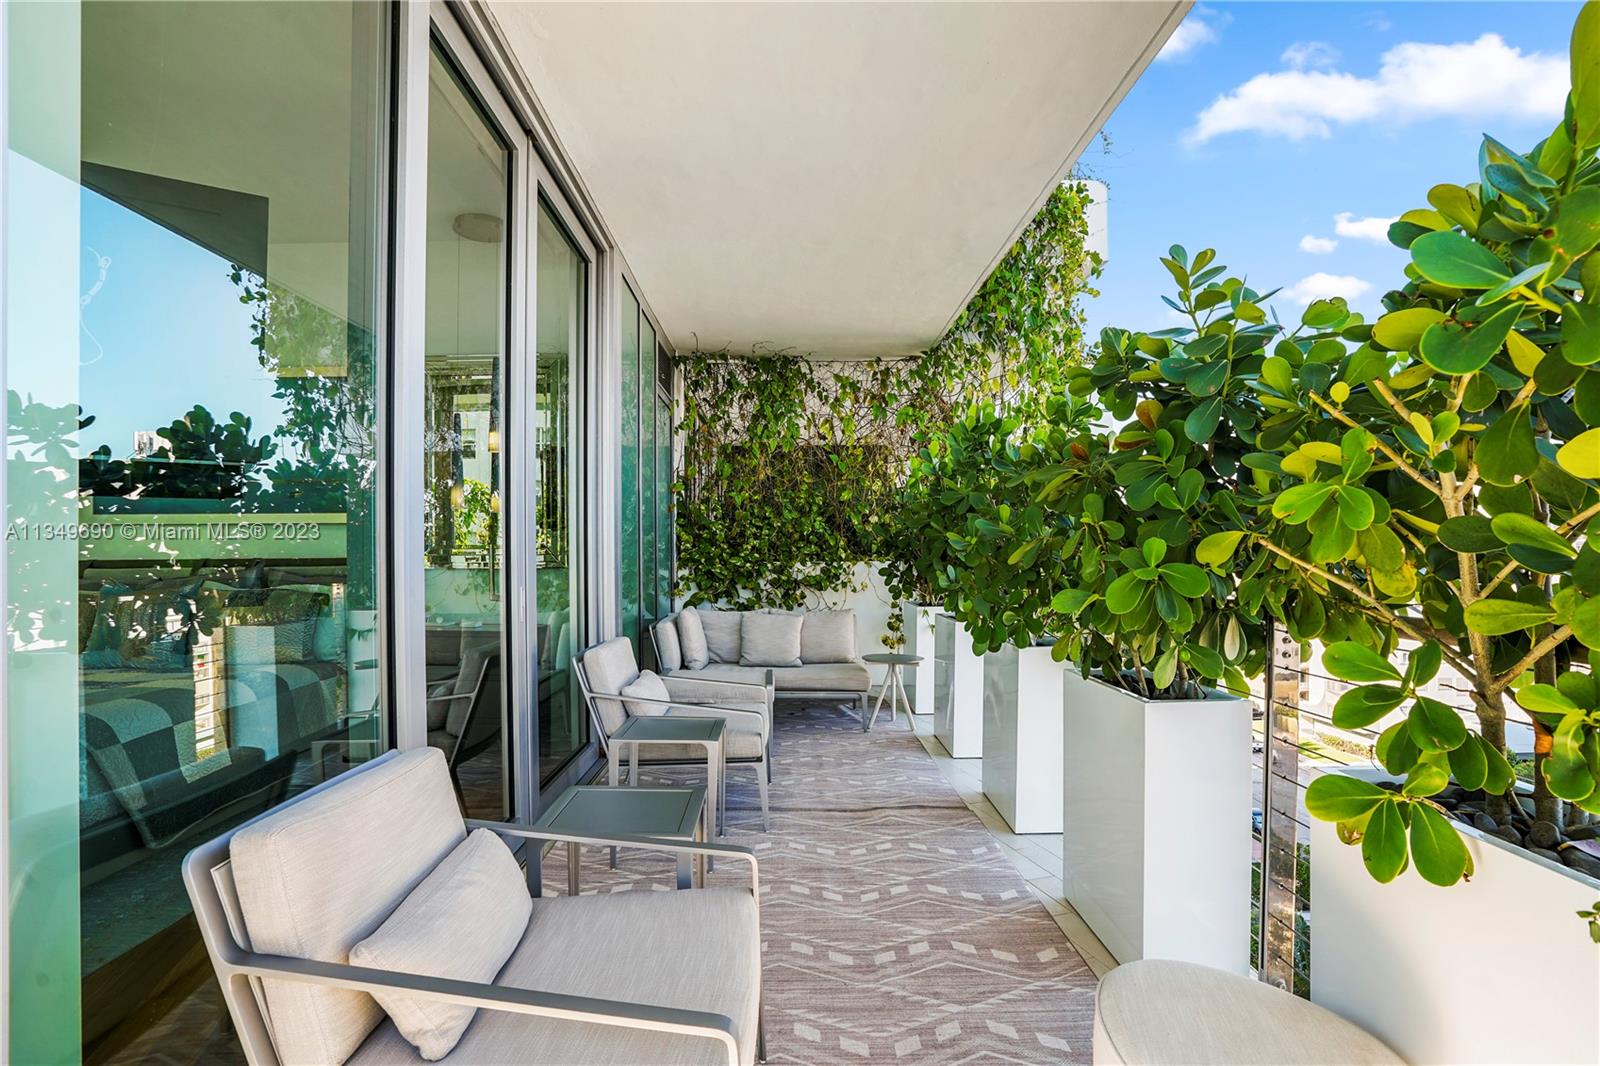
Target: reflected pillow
(462,922)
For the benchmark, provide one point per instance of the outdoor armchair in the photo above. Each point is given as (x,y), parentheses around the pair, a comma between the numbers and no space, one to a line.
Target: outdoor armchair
(606,669)
(283,900)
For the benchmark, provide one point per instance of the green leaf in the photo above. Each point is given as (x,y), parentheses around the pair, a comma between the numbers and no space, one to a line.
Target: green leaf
(1468,533)
(1463,348)
(1546,699)
(1203,420)
(1298,503)
(1423,663)
(1512,284)
(1396,751)
(1276,373)
(1500,776)
(1448,258)
(1207,379)
(1525,529)
(1124,594)
(1580,334)
(1218,548)
(1585,50)
(1355,507)
(1399,331)
(1381,549)
(1429,776)
(1154,550)
(1495,618)
(1586,623)
(1468,764)
(1580,456)
(1349,661)
(1337,798)
(1566,770)
(1186,579)
(1383,845)
(1506,452)
(1435,727)
(1362,706)
(1436,848)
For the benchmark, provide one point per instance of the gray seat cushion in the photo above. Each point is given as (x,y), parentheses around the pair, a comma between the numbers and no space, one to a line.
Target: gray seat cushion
(705,949)
(745,675)
(317,876)
(1159,1011)
(822,677)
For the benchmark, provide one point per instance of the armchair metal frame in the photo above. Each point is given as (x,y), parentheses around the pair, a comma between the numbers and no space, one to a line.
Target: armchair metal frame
(208,876)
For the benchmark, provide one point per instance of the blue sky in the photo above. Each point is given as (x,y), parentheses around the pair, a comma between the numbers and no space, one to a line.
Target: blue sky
(1265,125)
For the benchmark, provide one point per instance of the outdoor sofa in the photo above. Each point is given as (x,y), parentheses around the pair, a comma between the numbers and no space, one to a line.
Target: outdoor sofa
(809,655)
(365,922)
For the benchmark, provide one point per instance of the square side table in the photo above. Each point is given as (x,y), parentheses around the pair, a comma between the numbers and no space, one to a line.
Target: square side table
(598,810)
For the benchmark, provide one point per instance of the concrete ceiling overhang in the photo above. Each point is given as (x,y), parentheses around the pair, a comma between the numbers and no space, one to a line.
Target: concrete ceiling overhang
(837,179)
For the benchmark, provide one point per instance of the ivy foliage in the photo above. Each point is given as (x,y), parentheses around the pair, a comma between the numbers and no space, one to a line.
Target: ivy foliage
(795,470)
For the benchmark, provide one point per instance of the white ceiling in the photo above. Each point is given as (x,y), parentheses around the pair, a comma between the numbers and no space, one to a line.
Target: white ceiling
(833,178)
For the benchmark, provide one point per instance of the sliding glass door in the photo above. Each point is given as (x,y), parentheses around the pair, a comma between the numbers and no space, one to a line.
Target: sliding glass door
(645,571)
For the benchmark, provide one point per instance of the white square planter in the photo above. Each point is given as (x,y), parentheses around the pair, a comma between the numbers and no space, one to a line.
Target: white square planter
(1022,737)
(920,640)
(1156,838)
(957,690)
(1498,969)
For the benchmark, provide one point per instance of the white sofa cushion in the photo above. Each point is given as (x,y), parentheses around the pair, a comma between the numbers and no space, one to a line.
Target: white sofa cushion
(724,634)
(1156,1011)
(462,922)
(692,639)
(647,686)
(669,653)
(318,876)
(707,953)
(770,640)
(828,637)
(822,677)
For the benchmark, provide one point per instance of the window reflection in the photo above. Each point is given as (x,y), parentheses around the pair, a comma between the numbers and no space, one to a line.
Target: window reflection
(463,454)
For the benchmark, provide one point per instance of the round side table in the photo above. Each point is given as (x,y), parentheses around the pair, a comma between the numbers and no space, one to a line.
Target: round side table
(893,687)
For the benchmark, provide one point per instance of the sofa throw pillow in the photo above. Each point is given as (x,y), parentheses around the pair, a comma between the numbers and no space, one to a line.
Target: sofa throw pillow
(723,634)
(647,686)
(462,921)
(669,652)
(770,640)
(692,639)
(828,637)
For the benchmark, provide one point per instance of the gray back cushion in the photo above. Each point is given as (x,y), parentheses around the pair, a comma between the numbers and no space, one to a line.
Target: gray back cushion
(771,640)
(722,634)
(610,668)
(647,686)
(318,876)
(669,653)
(828,637)
(692,639)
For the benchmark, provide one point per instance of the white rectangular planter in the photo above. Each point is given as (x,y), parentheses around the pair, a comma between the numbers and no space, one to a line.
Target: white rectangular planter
(1022,737)
(1495,970)
(957,690)
(1156,838)
(920,640)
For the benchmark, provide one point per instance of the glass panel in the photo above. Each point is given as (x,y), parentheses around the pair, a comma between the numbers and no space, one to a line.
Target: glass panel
(468,194)
(663,459)
(192,470)
(628,565)
(652,491)
(563,727)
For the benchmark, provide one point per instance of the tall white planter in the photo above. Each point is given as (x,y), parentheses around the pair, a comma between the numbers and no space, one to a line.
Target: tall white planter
(957,690)
(1494,970)
(1155,836)
(1022,737)
(920,640)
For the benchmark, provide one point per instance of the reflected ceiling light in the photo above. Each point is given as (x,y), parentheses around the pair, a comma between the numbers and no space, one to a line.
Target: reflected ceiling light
(477,226)
(494,503)
(494,441)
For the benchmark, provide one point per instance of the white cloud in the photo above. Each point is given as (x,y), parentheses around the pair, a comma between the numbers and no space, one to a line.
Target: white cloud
(1479,79)
(1320,286)
(1317,245)
(1371,228)
(1203,26)
(1310,54)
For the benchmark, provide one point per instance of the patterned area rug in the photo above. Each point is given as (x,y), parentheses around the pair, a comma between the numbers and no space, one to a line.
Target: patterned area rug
(893,927)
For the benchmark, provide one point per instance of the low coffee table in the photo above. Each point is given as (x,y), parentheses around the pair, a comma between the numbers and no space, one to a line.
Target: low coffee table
(893,687)
(599,810)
